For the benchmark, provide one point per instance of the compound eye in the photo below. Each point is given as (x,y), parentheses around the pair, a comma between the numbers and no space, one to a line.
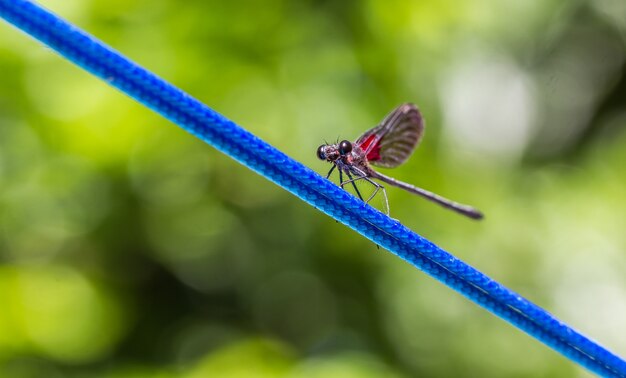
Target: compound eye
(345,147)
(321,153)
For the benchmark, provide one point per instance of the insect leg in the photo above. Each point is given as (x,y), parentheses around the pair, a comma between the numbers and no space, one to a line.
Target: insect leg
(340,178)
(354,186)
(360,175)
(331,171)
(353,180)
(378,187)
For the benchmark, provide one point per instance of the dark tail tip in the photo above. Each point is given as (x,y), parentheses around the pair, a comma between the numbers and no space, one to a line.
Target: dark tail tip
(474,214)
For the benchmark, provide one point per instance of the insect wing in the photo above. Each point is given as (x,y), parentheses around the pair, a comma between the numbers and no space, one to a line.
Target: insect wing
(391,142)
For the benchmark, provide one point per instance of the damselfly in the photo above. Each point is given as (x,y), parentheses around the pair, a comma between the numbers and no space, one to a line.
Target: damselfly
(387,145)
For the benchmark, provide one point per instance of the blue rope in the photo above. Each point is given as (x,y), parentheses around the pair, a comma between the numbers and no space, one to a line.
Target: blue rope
(269,162)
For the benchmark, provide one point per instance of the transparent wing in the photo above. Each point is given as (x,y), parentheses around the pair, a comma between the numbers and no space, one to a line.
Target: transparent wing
(391,142)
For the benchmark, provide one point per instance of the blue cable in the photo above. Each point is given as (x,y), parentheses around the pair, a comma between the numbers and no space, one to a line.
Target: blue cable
(249,150)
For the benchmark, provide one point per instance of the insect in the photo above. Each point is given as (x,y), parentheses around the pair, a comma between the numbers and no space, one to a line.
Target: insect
(387,145)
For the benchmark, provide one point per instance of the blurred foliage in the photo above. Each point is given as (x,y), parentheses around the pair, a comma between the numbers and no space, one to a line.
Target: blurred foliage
(131,249)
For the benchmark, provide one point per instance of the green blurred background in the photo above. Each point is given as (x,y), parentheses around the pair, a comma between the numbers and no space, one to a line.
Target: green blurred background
(130,249)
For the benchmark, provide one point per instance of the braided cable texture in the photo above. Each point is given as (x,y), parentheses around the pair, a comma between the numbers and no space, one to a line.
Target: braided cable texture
(269,162)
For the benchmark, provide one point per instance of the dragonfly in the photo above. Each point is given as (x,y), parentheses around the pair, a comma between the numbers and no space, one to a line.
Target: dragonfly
(387,145)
